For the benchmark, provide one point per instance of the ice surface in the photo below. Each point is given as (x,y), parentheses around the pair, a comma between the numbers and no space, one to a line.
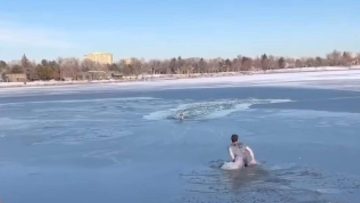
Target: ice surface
(110,144)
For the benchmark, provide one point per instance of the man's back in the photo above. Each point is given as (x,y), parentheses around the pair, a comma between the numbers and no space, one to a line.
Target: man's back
(237,150)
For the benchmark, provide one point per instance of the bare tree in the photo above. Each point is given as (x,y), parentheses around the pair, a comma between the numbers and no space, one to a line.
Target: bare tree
(73,68)
(319,62)
(69,68)
(264,62)
(281,63)
(29,68)
(357,59)
(334,58)
(17,69)
(3,67)
(88,65)
(346,59)
(154,66)
(246,63)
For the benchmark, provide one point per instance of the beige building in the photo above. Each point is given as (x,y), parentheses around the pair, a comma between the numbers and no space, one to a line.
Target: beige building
(128,61)
(103,58)
(15,77)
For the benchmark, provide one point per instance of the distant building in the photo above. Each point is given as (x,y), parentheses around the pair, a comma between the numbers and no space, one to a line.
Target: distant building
(128,61)
(15,77)
(103,58)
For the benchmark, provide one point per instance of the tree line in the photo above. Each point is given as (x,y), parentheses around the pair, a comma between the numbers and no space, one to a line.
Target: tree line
(75,69)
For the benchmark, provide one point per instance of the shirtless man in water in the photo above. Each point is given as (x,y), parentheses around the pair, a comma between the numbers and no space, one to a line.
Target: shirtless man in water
(240,153)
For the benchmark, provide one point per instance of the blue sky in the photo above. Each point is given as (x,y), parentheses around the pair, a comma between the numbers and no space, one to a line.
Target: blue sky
(188,28)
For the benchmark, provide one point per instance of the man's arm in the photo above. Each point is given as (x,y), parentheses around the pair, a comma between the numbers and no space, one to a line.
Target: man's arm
(250,153)
(231,154)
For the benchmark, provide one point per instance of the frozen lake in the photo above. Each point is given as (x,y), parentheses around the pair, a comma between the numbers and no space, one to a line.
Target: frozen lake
(125,145)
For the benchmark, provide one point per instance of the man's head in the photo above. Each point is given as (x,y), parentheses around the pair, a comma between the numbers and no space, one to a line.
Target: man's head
(234,138)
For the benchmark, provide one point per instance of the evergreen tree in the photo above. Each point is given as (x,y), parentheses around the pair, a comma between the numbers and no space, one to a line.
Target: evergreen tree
(281,63)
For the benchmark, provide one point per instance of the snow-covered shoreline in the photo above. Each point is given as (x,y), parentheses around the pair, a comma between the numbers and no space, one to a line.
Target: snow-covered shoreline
(332,77)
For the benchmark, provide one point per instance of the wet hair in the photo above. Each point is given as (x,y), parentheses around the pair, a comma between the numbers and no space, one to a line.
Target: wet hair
(234,138)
